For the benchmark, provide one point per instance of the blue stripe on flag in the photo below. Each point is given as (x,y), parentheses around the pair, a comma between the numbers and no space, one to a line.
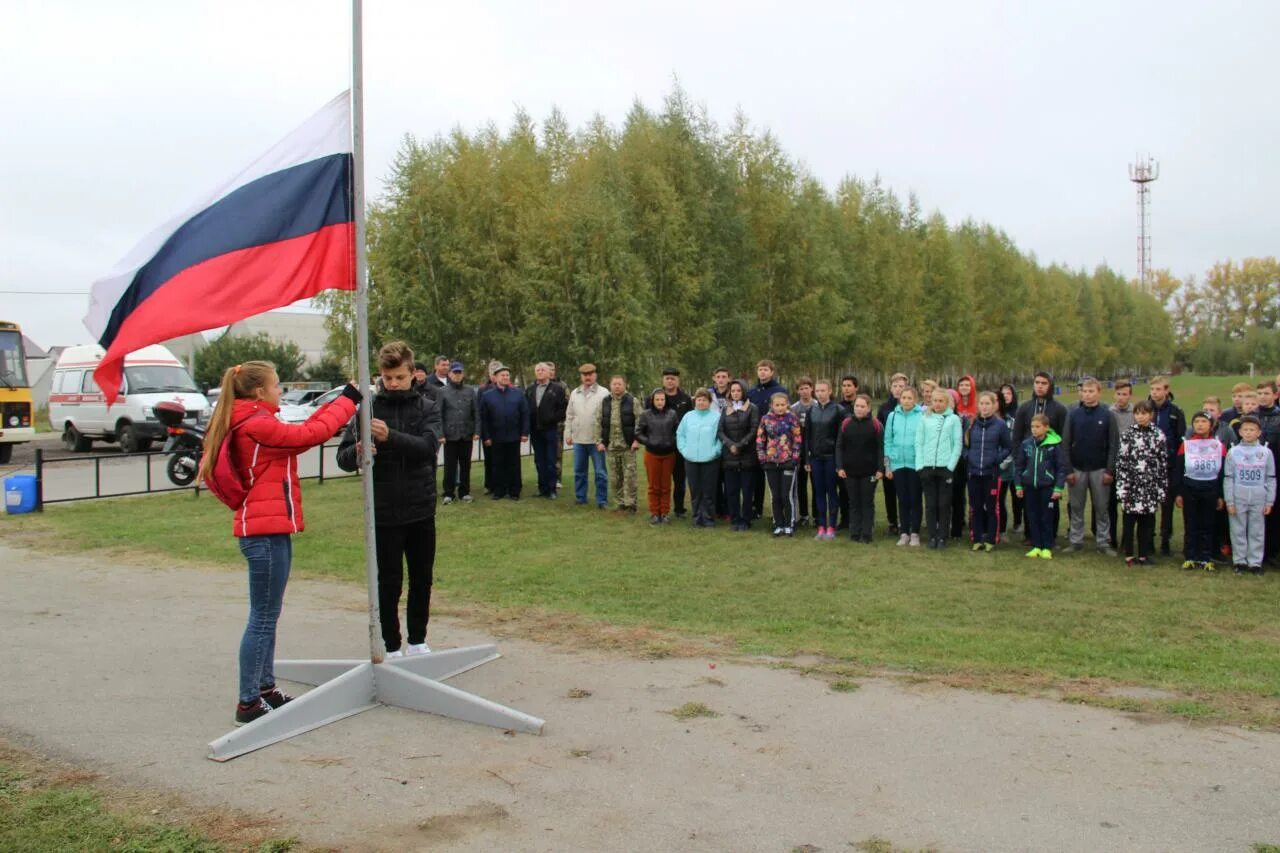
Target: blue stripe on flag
(286,204)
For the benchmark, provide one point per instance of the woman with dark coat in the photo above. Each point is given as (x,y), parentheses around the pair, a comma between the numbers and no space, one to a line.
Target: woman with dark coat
(738,424)
(1007,402)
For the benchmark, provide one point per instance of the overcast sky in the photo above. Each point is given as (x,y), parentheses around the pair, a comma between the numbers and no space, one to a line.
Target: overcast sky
(1026,115)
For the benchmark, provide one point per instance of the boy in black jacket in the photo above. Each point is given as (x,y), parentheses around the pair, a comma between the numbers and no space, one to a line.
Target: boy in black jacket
(406,429)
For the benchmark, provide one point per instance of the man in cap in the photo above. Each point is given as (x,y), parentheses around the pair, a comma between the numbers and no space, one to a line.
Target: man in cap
(582,433)
(504,411)
(460,410)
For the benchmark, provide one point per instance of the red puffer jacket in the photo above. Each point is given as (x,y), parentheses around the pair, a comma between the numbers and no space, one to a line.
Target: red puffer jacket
(265,452)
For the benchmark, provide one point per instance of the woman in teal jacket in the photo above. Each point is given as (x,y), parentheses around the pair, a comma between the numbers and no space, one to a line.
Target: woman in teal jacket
(939,441)
(698,441)
(900,463)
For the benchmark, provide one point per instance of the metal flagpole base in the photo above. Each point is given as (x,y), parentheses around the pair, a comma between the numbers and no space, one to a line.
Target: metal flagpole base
(350,687)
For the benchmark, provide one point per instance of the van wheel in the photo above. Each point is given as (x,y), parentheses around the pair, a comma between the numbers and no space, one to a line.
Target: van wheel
(74,442)
(6,453)
(127,435)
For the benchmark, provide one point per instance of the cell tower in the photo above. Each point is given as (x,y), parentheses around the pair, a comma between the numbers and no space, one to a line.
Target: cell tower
(1142,173)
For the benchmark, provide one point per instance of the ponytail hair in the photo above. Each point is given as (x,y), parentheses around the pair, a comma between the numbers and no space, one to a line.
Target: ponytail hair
(238,383)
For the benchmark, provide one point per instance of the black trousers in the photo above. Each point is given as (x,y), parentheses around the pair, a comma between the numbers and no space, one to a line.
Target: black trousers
(400,545)
(861,492)
(702,488)
(959,487)
(1200,519)
(1145,525)
(891,502)
(457,468)
(677,485)
(802,493)
(1166,517)
(722,498)
(506,479)
(844,516)
(1113,508)
(757,497)
(782,494)
(1008,492)
(486,457)
(740,491)
(936,483)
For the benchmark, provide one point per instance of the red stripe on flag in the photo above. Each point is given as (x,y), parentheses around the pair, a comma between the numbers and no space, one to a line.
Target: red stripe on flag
(231,287)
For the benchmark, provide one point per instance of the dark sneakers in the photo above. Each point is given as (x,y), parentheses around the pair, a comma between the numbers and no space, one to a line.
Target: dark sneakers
(247,712)
(275,697)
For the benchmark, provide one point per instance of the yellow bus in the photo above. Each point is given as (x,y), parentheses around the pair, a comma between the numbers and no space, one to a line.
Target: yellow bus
(17,415)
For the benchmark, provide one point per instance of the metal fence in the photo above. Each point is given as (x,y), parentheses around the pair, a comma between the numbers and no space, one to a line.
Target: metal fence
(323,468)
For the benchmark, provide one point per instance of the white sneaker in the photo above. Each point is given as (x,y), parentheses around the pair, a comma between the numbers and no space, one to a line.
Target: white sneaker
(904,539)
(915,540)
(418,649)
(466,499)
(396,654)
(447,500)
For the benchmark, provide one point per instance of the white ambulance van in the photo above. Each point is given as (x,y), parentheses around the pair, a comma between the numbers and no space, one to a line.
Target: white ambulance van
(151,375)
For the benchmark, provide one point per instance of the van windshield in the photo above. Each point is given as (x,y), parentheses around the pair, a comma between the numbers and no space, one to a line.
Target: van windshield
(13,367)
(154,378)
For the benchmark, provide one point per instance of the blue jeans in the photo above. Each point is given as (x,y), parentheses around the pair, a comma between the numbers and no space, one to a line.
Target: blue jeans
(269,558)
(545,443)
(582,453)
(907,483)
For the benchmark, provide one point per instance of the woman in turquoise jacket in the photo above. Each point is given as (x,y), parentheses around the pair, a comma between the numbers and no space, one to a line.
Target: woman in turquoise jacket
(939,442)
(698,441)
(900,463)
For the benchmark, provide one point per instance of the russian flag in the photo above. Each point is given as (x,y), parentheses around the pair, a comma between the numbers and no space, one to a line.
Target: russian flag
(281,230)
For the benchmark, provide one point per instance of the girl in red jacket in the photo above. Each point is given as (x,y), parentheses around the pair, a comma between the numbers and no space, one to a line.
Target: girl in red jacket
(264,452)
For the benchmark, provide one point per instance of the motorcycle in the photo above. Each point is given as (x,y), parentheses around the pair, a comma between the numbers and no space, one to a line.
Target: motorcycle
(185,444)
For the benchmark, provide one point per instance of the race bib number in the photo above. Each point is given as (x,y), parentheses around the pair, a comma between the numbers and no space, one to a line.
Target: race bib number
(1203,458)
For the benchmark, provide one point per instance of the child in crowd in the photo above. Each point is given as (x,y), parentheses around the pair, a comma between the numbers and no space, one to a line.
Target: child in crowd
(778,443)
(656,433)
(1248,406)
(1141,483)
(939,441)
(860,465)
(1249,490)
(900,464)
(1039,473)
(1235,411)
(800,408)
(897,382)
(406,433)
(1269,419)
(821,430)
(987,444)
(738,424)
(1007,398)
(1221,429)
(1197,475)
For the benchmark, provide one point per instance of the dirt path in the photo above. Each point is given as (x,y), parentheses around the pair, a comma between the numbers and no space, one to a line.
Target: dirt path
(131,671)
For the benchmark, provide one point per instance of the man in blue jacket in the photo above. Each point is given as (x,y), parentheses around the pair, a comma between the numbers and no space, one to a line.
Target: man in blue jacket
(504,412)
(1091,436)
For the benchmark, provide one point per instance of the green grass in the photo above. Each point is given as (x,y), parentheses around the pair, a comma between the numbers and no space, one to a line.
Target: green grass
(693,710)
(1080,623)
(73,817)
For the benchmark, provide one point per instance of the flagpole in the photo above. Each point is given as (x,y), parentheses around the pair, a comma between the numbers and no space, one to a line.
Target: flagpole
(362,323)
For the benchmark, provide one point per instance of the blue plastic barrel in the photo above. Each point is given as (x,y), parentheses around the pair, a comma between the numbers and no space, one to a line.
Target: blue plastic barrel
(19,494)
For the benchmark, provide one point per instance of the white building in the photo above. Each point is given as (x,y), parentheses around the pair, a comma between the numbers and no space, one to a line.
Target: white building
(306,330)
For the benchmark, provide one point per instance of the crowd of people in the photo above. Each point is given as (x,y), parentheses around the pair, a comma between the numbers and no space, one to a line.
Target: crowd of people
(955,463)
